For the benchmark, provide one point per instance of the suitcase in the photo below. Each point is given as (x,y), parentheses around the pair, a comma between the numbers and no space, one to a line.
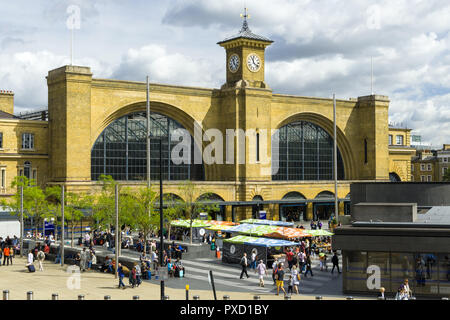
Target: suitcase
(31,268)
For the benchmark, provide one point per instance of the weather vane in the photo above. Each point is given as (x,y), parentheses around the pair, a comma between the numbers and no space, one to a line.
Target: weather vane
(245,16)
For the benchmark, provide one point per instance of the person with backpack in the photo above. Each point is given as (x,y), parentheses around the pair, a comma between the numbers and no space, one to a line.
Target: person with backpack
(244,264)
(40,257)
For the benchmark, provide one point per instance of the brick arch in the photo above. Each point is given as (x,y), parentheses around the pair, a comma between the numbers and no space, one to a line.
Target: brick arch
(343,144)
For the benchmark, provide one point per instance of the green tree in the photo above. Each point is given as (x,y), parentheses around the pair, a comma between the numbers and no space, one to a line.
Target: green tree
(35,205)
(103,205)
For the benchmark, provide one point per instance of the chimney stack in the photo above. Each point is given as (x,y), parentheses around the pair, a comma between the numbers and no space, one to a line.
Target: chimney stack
(7,101)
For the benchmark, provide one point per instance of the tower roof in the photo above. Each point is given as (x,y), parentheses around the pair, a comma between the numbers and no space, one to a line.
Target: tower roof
(246,33)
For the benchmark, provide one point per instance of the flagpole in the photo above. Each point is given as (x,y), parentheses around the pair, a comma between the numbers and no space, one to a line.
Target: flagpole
(336,208)
(148,134)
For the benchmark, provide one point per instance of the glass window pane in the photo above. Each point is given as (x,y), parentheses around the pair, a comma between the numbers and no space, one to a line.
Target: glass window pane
(120,151)
(305,152)
(444,274)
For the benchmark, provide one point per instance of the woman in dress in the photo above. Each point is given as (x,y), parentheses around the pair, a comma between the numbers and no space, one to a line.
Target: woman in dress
(296,278)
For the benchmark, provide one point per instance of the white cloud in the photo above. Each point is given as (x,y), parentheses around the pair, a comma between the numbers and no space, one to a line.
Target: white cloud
(166,67)
(25,72)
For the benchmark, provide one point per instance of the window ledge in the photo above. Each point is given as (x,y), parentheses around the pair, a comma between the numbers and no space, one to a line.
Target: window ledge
(31,150)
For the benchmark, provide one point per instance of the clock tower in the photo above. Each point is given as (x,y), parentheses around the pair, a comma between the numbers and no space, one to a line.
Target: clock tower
(245,58)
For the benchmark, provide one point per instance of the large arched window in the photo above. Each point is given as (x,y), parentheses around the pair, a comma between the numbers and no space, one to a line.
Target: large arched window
(305,153)
(120,150)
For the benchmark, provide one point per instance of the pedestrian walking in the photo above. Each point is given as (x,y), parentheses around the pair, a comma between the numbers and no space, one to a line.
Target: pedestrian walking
(308,266)
(274,271)
(335,261)
(301,260)
(261,269)
(40,257)
(83,259)
(295,278)
(244,264)
(253,260)
(138,273)
(6,255)
(280,279)
(121,276)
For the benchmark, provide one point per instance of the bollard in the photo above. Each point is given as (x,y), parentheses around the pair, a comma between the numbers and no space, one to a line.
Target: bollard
(196,298)
(81,297)
(349,298)
(107,298)
(318,298)
(167,297)
(55,296)
(287,297)
(30,295)
(5,294)
(226,297)
(135,297)
(256,298)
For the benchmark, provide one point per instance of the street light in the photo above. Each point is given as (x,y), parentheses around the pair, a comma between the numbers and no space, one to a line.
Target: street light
(161,216)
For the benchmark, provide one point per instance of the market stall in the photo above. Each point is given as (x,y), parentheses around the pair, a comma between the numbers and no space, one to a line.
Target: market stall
(199,227)
(268,222)
(265,248)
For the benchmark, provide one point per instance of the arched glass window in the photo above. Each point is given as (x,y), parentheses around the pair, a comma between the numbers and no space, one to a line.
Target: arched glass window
(305,153)
(120,150)
(27,169)
(393,177)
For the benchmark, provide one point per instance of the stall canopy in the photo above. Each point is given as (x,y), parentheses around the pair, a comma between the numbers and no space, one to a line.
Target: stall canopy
(267,231)
(320,232)
(288,233)
(268,222)
(201,223)
(260,242)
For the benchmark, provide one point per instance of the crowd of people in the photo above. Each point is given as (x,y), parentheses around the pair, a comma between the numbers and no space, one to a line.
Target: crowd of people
(299,262)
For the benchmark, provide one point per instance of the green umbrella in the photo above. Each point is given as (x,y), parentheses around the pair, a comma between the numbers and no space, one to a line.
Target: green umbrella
(318,233)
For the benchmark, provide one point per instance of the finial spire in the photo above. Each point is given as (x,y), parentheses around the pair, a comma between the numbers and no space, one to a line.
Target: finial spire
(245,16)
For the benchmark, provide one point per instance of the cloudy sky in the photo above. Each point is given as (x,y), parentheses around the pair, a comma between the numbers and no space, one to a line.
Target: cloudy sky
(321,47)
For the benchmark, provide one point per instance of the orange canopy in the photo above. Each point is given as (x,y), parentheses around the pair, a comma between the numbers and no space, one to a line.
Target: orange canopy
(288,233)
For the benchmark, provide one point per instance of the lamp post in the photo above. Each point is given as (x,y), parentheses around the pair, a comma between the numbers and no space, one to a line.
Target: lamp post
(21,221)
(161,216)
(62,226)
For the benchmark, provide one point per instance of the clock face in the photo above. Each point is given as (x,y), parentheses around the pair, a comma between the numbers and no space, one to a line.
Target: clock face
(233,63)
(253,62)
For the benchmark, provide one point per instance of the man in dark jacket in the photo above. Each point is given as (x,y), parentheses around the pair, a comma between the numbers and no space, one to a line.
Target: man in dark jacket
(244,264)
(335,261)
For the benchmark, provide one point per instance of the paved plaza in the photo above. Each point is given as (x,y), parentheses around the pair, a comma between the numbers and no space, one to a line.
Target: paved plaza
(95,285)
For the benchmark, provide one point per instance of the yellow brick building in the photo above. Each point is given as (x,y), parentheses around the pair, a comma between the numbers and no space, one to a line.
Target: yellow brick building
(97,126)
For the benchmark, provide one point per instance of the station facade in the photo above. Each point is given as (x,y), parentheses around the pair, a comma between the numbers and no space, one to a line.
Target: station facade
(98,126)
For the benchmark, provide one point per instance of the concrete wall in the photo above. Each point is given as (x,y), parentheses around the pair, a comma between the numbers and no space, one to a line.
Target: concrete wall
(424,194)
(384,212)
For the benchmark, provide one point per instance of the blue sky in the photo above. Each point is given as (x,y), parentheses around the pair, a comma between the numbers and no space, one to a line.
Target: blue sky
(321,47)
